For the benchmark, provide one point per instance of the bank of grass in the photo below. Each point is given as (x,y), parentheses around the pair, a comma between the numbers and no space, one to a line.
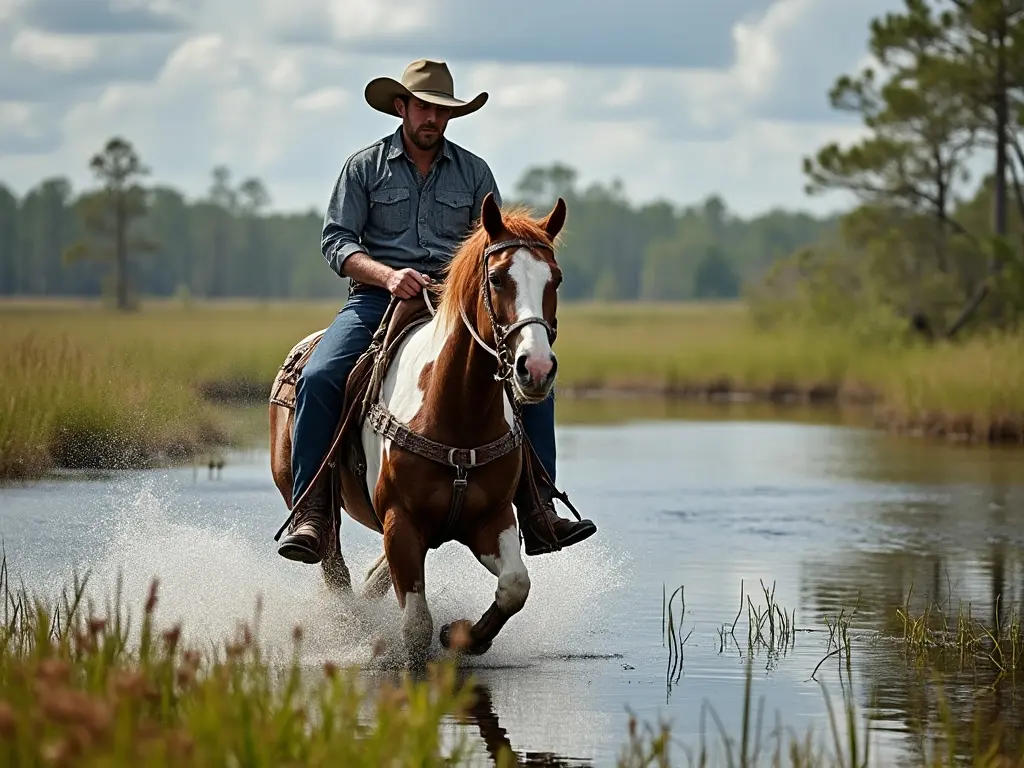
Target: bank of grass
(68,404)
(89,687)
(85,385)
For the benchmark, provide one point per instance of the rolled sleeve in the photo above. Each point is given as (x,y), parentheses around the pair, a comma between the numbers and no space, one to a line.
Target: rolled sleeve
(345,217)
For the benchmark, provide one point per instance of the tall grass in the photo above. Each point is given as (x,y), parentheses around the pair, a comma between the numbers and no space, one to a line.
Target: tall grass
(84,385)
(82,686)
(74,405)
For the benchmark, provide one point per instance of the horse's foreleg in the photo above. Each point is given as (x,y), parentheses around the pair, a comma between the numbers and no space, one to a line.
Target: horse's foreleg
(497,548)
(406,552)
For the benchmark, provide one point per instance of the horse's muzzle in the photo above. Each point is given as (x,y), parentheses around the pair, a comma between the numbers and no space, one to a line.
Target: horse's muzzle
(535,375)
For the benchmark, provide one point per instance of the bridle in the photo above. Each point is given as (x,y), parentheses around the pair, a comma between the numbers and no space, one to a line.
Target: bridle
(501,350)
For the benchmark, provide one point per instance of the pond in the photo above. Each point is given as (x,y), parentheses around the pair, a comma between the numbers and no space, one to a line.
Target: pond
(828,517)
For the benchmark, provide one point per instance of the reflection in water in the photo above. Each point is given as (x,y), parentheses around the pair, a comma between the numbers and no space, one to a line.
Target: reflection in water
(951,551)
(834,517)
(497,740)
(488,735)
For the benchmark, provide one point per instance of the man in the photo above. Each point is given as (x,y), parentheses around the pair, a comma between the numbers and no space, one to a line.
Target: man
(399,210)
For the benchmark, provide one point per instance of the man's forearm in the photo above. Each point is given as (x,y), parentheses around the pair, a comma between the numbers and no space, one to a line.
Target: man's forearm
(361,268)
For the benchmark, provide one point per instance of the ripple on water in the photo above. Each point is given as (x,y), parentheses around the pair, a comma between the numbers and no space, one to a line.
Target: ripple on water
(827,516)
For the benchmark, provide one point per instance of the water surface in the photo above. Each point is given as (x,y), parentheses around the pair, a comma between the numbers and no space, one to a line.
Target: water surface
(826,514)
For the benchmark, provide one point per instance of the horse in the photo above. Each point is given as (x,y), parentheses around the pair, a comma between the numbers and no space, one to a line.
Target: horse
(431,446)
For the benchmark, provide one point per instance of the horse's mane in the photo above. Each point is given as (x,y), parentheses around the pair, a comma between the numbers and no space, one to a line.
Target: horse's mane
(463,275)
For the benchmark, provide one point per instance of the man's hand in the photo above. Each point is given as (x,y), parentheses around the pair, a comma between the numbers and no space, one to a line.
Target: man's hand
(403,283)
(406,283)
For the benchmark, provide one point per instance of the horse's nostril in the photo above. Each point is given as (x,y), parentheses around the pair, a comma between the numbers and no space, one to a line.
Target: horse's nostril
(521,365)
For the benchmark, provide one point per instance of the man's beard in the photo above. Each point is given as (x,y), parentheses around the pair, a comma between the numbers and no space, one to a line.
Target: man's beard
(426,142)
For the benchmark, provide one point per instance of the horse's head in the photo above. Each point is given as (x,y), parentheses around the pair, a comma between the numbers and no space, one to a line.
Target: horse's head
(521,294)
(509,263)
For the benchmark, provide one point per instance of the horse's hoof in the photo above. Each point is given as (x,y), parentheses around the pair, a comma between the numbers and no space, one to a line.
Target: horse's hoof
(456,637)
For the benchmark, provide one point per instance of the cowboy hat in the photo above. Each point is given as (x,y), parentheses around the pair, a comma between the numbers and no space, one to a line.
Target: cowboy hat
(423,79)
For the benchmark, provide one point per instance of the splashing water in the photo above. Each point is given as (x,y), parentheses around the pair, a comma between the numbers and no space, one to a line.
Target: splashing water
(217,569)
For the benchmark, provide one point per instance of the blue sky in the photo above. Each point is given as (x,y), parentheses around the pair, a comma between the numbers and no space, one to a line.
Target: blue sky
(679,100)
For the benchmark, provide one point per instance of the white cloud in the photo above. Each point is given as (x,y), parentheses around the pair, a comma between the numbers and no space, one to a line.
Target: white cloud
(8,7)
(353,19)
(323,100)
(229,93)
(345,21)
(54,52)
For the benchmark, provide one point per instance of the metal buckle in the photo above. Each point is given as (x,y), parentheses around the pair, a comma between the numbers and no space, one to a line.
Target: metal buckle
(472,458)
(460,481)
(378,419)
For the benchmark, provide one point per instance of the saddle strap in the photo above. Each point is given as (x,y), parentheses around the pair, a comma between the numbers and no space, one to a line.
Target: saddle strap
(384,422)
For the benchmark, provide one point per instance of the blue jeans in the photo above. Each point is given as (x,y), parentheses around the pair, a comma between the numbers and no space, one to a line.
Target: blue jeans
(320,388)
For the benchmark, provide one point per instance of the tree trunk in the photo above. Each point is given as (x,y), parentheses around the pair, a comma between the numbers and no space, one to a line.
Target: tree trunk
(121,269)
(1002,110)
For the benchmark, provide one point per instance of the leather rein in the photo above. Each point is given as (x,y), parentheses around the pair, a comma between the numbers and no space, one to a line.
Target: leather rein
(383,422)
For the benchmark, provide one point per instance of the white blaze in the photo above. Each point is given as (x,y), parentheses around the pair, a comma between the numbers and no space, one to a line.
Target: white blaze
(531,276)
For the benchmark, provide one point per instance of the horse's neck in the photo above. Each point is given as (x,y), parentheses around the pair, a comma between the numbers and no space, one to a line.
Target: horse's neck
(462,387)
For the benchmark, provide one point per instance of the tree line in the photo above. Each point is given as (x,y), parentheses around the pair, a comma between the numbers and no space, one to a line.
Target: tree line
(927,246)
(125,239)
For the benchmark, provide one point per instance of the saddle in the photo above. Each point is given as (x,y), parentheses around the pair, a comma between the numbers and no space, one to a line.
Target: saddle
(361,389)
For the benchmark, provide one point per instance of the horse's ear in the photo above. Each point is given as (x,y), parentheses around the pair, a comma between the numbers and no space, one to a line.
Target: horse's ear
(555,220)
(490,214)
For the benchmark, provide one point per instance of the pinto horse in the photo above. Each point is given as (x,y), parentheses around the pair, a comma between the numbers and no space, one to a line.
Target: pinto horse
(441,438)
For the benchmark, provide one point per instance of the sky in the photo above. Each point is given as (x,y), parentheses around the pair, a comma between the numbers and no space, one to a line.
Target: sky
(678,99)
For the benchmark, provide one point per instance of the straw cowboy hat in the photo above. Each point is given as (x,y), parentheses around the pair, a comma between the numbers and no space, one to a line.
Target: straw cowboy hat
(424,79)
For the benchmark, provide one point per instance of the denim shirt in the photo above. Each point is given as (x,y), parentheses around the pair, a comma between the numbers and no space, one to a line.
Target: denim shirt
(382,206)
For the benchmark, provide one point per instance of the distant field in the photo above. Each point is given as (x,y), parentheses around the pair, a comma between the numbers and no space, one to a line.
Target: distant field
(84,385)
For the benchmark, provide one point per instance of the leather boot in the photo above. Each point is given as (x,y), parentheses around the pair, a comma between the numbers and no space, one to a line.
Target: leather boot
(543,530)
(308,532)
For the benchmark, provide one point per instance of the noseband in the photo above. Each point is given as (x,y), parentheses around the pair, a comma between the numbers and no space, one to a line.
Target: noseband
(501,350)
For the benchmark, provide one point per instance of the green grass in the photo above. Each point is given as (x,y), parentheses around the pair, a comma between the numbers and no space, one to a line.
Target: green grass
(84,385)
(86,686)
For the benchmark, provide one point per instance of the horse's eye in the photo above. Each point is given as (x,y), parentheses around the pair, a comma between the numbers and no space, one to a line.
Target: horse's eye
(495,279)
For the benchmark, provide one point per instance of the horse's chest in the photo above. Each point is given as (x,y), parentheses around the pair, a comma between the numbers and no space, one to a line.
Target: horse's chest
(409,482)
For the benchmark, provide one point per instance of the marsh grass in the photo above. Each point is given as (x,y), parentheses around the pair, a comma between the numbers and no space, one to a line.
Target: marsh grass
(69,405)
(79,687)
(85,386)
(938,638)
(82,686)
(770,628)
(952,730)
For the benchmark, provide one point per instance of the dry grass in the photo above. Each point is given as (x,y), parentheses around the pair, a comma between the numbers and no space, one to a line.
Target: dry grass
(81,685)
(83,383)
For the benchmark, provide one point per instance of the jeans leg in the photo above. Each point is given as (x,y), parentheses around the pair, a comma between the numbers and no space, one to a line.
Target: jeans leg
(539,425)
(320,389)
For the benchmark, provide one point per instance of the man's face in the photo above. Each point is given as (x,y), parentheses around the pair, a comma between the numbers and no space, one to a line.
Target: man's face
(424,123)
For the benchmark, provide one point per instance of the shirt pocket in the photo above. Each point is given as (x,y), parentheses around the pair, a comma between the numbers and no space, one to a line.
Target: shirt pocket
(389,209)
(454,211)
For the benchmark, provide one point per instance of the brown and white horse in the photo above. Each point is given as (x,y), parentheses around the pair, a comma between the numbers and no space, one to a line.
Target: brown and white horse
(458,381)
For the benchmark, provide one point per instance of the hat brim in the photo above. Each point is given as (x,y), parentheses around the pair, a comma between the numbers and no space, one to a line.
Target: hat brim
(380,94)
